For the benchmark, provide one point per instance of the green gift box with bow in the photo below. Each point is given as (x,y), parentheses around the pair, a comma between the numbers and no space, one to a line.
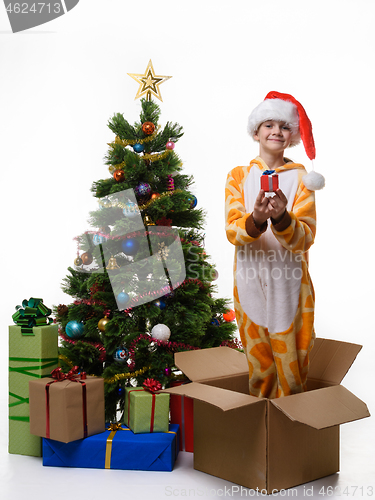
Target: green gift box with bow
(33,354)
(145,410)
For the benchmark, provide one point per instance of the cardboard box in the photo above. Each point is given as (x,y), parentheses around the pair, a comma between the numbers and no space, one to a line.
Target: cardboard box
(69,417)
(30,357)
(121,449)
(269,444)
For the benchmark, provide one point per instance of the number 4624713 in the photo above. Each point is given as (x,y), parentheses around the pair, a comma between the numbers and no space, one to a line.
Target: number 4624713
(35,8)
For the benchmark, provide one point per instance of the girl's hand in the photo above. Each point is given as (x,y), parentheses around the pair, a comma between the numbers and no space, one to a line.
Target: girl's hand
(277,205)
(262,209)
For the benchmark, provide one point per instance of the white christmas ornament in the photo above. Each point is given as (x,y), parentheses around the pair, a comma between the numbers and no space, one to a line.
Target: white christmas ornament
(161,332)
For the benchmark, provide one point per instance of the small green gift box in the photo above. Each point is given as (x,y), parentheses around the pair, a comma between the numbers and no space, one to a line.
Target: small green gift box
(146,411)
(33,353)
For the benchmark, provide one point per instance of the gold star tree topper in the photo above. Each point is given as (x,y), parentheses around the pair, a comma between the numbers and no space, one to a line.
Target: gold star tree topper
(149,82)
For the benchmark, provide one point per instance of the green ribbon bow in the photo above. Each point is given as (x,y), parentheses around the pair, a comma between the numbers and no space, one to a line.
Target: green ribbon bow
(32,313)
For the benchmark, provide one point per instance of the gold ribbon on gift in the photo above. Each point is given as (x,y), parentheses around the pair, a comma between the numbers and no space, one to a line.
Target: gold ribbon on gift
(114,427)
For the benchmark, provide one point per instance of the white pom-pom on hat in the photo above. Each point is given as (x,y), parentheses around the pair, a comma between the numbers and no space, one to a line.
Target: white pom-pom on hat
(313,181)
(284,107)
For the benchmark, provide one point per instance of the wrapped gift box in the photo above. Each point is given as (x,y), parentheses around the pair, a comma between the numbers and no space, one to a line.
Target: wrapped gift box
(31,356)
(182,413)
(121,449)
(269,181)
(146,412)
(68,409)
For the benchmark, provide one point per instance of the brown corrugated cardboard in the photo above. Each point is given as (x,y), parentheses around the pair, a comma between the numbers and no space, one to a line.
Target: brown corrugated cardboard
(262,443)
(330,360)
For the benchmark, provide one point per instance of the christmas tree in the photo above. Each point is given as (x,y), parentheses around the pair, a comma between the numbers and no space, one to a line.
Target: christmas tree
(142,281)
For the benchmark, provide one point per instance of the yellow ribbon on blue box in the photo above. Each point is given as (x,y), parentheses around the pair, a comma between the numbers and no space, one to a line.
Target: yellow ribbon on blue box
(114,427)
(115,449)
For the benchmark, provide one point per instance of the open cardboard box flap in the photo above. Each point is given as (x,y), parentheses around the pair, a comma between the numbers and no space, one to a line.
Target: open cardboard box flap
(213,363)
(323,408)
(222,398)
(330,360)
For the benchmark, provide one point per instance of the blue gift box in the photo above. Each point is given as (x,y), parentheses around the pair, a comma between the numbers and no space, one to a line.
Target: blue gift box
(121,449)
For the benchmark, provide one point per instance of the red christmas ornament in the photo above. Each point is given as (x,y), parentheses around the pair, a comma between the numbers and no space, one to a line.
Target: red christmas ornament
(119,175)
(170,145)
(229,315)
(148,128)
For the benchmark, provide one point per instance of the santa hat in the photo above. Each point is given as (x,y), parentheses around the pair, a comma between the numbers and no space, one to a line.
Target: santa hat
(283,107)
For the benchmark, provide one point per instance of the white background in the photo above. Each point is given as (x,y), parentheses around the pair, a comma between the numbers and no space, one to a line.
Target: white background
(62,81)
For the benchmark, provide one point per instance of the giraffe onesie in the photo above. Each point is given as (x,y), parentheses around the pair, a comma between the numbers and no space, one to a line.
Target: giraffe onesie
(273,293)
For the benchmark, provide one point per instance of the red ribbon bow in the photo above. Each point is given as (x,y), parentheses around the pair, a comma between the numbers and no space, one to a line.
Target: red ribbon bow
(59,375)
(152,385)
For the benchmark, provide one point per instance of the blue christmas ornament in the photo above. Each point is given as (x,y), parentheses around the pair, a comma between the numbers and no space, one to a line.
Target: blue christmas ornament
(97,239)
(193,201)
(122,299)
(120,391)
(160,304)
(130,246)
(121,354)
(74,330)
(142,189)
(130,210)
(138,148)
(215,322)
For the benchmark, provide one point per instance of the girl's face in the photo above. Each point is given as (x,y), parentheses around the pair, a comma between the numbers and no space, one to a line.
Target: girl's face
(273,136)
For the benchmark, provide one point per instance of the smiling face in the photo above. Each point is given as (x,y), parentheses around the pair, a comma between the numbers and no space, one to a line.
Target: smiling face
(273,137)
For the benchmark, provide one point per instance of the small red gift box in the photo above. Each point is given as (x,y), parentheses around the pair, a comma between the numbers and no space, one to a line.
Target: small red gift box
(182,413)
(269,181)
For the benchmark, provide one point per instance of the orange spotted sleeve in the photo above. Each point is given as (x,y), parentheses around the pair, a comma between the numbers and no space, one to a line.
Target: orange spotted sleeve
(299,235)
(235,212)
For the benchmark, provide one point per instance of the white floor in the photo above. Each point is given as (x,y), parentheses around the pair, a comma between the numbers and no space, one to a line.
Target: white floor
(25,478)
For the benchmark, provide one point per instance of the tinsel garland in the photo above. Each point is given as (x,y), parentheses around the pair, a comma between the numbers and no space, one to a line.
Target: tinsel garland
(162,195)
(100,347)
(233,344)
(89,302)
(172,346)
(141,207)
(134,234)
(66,360)
(192,242)
(194,282)
(147,156)
(156,156)
(118,377)
(121,376)
(131,142)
